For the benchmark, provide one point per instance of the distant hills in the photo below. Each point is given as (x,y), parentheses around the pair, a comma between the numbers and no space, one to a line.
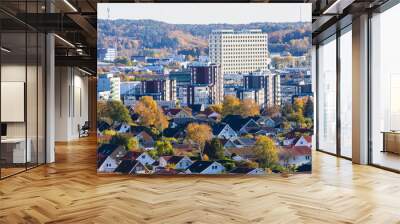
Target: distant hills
(154,37)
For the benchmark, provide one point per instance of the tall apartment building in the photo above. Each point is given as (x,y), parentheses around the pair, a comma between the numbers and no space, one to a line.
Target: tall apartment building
(115,93)
(207,84)
(269,82)
(242,51)
(160,89)
(110,54)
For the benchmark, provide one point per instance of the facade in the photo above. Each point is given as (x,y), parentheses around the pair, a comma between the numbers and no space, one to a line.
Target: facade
(110,54)
(115,93)
(239,51)
(257,95)
(269,83)
(160,89)
(206,85)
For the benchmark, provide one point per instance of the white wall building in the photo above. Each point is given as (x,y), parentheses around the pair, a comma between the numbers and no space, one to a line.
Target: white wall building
(239,51)
(110,55)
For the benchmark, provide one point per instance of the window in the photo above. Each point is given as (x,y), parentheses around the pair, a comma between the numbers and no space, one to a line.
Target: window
(385,89)
(327,96)
(346,93)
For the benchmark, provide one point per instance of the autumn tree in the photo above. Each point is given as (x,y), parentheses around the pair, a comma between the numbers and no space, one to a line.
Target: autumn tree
(199,134)
(214,149)
(161,122)
(230,105)
(248,108)
(150,114)
(164,147)
(215,108)
(113,110)
(129,142)
(273,111)
(266,152)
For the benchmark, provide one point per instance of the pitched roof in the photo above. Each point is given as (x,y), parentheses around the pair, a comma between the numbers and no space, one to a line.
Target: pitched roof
(174,132)
(297,150)
(236,122)
(132,155)
(174,111)
(173,159)
(107,149)
(199,166)
(247,141)
(242,170)
(196,108)
(217,128)
(145,136)
(102,125)
(126,166)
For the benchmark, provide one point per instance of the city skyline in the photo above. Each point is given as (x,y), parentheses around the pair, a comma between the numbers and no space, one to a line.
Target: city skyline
(207,13)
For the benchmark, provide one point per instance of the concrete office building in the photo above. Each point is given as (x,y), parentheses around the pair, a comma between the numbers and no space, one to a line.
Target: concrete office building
(206,84)
(270,83)
(160,89)
(241,51)
(110,55)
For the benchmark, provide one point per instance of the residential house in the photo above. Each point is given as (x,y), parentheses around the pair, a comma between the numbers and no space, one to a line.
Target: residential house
(179,116)
(266,122)
(131,167)
(250,127)
(205,167)
(145,140)
(247,171)
(179,162)
(303,141)
(238,123)
(240,142)
(223,131)
(123,128)
(109,157)
(296,155)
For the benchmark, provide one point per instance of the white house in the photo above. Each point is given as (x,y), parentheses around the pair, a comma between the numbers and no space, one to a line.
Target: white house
(112,161)
(180,162)
(145,159)
(304,141)
(296,155)
(223,131)
(205,167)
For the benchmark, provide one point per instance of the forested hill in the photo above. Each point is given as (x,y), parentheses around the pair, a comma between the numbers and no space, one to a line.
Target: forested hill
(132,36)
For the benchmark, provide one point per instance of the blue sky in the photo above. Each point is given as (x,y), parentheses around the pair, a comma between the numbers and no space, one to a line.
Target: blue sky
(206,13)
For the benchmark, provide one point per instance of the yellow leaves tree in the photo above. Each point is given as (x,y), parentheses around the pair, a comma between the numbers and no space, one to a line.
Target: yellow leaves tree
(266,152)
(150,114)
(199,134)
(248,108)
(230,105)
(216,108)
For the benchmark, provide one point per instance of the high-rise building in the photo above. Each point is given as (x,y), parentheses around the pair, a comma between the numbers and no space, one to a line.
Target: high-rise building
(110,54)
(257,95)
(115,88)
(206,84)
(160,89)
(239,51)
(269,82)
